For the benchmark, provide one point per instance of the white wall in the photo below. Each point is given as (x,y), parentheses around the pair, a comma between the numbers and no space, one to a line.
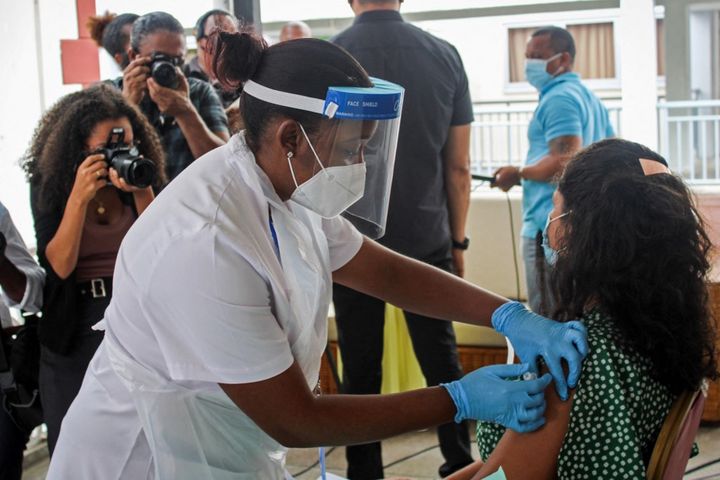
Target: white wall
(25,62)
(483,45)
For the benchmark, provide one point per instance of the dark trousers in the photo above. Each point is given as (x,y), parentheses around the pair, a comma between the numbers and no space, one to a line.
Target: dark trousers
(61,375)
(12,446)
(360,322)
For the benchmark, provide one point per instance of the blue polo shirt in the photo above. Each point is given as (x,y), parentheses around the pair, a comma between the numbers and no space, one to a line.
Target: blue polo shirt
(566,108)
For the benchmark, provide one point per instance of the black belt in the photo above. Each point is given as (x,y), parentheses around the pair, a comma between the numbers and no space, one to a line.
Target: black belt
(95,288)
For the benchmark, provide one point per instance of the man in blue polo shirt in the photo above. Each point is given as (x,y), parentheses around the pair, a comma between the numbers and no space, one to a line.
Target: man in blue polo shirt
(568,117)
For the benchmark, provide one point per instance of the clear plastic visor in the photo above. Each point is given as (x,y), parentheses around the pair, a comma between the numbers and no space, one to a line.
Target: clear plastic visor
(343,142)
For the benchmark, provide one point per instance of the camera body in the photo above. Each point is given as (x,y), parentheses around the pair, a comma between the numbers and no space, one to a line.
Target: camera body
(127,161)
(162,69)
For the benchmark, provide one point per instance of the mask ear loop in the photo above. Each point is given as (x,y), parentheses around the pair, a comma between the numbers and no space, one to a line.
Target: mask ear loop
(312,148)
(292,172)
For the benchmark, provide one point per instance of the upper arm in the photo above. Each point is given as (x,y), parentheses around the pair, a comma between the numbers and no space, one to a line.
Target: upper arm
(534,455)
(565,145)
(561,116)
(16,252)
(275,404)
(456,152)
(343,239)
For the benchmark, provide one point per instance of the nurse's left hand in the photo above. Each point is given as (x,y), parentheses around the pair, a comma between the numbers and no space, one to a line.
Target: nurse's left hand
(534,336)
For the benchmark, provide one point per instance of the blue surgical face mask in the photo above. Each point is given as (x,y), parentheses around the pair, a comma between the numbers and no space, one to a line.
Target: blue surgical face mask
(550,253)
(536,71)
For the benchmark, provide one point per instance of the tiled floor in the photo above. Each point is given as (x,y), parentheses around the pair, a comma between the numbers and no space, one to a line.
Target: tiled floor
(417,456)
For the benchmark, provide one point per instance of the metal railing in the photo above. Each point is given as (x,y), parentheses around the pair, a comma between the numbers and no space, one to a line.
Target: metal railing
(690,139)
(499,134)
(689,136)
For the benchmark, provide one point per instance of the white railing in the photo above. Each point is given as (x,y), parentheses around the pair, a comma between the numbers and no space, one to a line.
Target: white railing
(690,139)
(499,134)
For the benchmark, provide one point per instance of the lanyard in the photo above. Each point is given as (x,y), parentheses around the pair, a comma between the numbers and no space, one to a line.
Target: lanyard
(323,473)
(276,244)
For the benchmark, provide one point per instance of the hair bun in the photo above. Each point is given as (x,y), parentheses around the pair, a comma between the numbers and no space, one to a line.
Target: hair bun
(97,24)
(235,56)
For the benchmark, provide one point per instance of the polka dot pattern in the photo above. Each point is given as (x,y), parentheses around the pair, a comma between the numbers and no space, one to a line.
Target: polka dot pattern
(618,409)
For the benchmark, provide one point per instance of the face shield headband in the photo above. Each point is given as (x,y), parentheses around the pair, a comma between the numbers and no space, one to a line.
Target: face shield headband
(364,129)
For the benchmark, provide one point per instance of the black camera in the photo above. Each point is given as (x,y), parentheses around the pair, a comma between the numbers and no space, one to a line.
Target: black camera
(127,161)
(162,69)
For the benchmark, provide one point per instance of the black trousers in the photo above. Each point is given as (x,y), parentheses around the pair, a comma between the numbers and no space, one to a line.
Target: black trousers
(360,322)
(61,375)
(12,446)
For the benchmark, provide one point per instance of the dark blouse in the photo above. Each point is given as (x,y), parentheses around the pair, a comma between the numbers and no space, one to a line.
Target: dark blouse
(59,312)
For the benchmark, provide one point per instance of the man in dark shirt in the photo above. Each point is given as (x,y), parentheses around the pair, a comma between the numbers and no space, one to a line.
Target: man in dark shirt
(428,208)
(189,118)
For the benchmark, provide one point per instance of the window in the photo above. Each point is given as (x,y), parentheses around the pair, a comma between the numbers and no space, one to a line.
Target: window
(660,39)
(597,38)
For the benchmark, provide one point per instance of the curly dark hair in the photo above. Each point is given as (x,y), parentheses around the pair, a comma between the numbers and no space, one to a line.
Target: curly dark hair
(635,246)
(58,144)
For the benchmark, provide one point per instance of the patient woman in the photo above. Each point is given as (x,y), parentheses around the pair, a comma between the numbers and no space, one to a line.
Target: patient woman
(630,259)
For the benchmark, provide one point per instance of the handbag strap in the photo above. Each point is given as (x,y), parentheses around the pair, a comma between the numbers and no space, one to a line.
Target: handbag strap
(7,379)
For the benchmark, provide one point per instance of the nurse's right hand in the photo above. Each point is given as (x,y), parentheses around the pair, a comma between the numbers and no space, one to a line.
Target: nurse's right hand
(494,394)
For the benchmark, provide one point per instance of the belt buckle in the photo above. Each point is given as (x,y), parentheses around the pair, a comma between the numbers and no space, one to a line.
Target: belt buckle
(97,287)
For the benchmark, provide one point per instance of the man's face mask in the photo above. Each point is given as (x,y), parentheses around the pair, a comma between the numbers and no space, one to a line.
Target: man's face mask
(536,71)
(332,190)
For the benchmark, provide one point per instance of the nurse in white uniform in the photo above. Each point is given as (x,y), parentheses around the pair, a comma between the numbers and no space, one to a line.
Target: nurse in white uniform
(218,319)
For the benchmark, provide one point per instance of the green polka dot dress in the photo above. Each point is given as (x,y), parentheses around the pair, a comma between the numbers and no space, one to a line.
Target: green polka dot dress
(617,412)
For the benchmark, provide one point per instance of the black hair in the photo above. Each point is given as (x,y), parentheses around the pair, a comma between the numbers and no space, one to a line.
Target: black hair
(634,246)
(305,66)
(200,25)
(108,31)
(561,40)
(153,22)
(59,142)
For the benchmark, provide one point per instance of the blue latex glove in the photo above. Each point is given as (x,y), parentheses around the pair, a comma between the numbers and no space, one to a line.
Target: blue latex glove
(485,394)
(534,336)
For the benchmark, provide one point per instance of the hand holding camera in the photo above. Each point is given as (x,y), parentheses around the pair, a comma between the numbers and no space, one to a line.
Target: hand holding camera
(90,177)
(171,102)
(135,78)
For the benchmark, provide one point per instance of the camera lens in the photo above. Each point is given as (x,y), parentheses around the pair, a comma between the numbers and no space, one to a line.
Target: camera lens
(141,173)
(136,170)
(165,74)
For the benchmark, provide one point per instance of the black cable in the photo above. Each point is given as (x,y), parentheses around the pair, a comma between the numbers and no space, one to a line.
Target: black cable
(704,465)
(303,472)
(514,247)
(412,455)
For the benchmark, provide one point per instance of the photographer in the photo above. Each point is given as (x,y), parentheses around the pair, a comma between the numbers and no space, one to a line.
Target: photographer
(21,284)
(186,112)
(87,187)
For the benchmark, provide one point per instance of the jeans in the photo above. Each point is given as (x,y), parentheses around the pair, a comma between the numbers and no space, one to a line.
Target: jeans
(360,322)
(12,446)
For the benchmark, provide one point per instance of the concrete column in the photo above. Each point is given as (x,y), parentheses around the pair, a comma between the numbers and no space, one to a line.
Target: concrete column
(638,71)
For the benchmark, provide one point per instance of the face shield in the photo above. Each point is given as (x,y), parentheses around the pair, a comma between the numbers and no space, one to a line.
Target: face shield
(362,126)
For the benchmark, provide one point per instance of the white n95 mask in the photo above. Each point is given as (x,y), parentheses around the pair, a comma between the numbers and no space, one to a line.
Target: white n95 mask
(332,190)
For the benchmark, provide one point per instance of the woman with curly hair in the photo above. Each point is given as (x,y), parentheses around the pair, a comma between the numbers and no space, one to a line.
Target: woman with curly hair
(629,255)
(82,210)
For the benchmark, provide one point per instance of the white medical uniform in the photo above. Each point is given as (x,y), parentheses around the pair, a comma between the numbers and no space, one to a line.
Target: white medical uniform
(200,298)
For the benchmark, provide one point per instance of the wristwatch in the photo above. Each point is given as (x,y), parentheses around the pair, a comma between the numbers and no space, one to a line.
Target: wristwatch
(461,245)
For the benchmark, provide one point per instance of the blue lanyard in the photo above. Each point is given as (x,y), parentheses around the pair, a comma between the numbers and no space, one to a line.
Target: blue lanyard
(274,234)
(323,473)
